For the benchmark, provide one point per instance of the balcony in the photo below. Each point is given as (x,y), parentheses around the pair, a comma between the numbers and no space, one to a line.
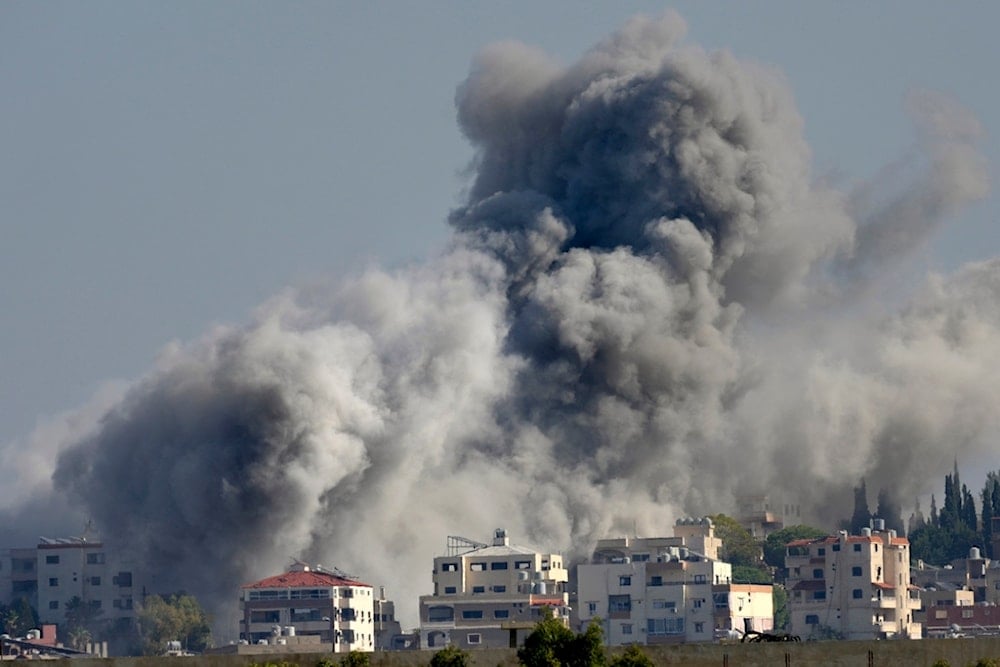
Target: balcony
(884,602)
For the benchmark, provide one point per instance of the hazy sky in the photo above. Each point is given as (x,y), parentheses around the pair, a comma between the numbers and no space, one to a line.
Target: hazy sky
(167,166)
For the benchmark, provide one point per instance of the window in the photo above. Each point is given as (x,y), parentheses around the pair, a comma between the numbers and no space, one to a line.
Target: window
(665,626)
(700,579)
(857,548)
(836,547)
(124,579)
(626,628)
(818,573)
(95,558)
(619,604)
(698,602)
(857,593)
(306,615)
(449,567)
(966,613)
(53,581)
(474,638)
(347,636)
(348,614)
(640,558)
(52,560)
(522,565)
(95,604)
(819,595)
(471,614)
(478,589)
(625,580)
(821,551)
(478,567)
(450,590)
(501,613)
(95,581)
(499,589)
(498,566)
(591,608)
(440,614)
(699,628)
(656,581)
(664,604)
(812,619)
(347,593)
(53,604)
(856,571)
(265,616)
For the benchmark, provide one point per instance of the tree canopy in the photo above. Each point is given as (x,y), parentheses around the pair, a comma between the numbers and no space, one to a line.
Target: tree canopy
(552,644)
(774,545)
(176,616)
(738,546)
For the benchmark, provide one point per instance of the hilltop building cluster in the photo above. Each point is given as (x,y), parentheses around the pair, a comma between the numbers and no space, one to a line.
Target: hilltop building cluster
(642,590)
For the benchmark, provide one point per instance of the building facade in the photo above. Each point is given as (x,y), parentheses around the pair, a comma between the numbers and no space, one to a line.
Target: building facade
(663,591)
(485,594)
(309,602)
(852,586)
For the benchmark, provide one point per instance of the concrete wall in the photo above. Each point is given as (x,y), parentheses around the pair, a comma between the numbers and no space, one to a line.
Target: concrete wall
(958,652)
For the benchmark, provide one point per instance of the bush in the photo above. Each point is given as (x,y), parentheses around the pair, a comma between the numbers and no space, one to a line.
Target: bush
(552,644)
(356,659)
(632,657)
(450,656)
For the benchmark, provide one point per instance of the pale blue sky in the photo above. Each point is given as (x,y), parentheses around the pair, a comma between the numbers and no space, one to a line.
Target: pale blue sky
(166,166)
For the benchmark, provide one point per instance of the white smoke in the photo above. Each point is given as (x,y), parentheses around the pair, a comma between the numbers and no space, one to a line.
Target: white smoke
(649,306)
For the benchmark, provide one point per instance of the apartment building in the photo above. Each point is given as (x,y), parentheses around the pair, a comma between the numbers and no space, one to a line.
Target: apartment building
(763,514)
(854,586)
(665,590)
(311,602)
(490,595)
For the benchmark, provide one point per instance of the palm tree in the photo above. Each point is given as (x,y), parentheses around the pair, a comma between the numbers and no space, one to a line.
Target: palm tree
(79,637)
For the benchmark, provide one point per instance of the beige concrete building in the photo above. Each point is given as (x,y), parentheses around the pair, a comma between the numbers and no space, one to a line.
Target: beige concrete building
(309,602)
(666,590)
(485,593)
(763,514)
(854,586)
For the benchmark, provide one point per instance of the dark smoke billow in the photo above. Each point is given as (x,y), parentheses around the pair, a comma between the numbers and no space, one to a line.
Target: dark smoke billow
(649,306)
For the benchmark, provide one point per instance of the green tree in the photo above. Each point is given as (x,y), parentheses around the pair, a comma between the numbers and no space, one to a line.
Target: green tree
(774,545)
(450,656)
(939,545)
(738,546)
(552,644)
(751,575)
(356,659)
(632,657)
(82,614)
(176,616)
(79,637)
(781,612)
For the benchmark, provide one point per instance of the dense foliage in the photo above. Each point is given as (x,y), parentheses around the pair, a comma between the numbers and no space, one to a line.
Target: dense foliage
(738,546)
(632,657)
(18,617)
(552,644)
(774,545)
(450,656)
(177,616)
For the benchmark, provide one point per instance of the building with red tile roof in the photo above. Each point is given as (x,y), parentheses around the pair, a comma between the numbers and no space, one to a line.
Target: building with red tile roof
(309,602)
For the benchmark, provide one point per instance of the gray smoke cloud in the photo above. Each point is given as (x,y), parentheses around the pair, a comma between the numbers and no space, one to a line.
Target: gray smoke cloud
(649,306)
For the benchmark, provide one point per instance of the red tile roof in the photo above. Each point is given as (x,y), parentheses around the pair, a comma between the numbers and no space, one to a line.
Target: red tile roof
(301,579)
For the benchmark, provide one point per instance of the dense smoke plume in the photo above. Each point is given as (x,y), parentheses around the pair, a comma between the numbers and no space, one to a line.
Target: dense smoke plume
(649,307)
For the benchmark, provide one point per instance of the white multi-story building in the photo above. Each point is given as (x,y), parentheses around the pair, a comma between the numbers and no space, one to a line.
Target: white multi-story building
(82,568)
(309,601)
(667,590)
(486,593)
(854,586)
